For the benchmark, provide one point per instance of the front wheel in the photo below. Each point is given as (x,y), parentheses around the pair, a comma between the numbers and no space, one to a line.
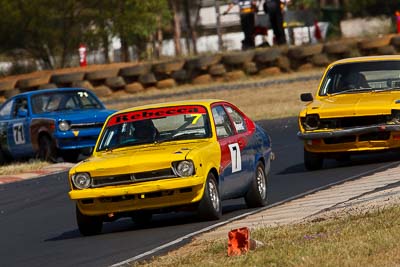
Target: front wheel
(2,158)
(257,195)
(210,204)
(88,225)
(47,151)
(313,161)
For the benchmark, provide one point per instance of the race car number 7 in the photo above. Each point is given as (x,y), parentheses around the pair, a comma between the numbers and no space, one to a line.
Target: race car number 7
(18,132)
(235,157)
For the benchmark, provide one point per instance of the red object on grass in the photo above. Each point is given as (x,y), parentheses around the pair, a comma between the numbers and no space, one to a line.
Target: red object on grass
(238,241)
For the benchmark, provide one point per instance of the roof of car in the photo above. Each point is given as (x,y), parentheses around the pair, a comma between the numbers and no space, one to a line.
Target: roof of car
(366,59)
(204,102)
(51,90)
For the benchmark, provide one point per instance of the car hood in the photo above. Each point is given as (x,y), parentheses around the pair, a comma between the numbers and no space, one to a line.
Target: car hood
(81,116)
(364,104)
(138,159)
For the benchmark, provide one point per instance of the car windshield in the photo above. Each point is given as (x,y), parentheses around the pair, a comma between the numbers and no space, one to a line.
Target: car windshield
(362,77)
(64,100)
(155,126)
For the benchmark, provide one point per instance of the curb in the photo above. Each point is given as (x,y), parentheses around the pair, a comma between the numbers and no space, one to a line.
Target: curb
(51,169)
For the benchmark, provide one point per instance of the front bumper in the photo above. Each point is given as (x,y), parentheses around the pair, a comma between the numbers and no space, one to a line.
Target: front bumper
(347,132)
(85,138)
(358,139)
(146,195)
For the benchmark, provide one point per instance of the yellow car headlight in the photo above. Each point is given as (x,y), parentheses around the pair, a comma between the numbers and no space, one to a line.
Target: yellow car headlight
(184,168)
(311,122)
(81,180)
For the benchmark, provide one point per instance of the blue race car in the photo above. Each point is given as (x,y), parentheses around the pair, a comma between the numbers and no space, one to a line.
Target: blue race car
(50,123)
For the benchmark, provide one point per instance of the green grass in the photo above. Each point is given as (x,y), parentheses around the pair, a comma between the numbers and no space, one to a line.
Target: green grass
(370,239)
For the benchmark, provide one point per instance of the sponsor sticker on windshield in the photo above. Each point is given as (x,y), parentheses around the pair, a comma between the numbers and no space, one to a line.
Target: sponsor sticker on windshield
(155,113)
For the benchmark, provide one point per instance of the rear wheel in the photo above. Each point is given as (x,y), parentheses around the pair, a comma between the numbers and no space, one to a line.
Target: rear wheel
(313,161)
(210,205)
(88,225)
(257,195)
(47,151)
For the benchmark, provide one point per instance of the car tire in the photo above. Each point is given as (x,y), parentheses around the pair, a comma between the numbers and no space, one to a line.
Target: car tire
(210,207)
(313,161)
(88,225)
(257,195)
(142,217)
(2,158)
(47,150)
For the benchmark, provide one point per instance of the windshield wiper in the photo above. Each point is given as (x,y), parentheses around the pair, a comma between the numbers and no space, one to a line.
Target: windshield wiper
(352,90)
(183,136)
(386,89)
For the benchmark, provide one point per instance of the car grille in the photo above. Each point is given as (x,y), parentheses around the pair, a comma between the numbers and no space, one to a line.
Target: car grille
(375,136)
(132,178)
(348,122)
(77,126)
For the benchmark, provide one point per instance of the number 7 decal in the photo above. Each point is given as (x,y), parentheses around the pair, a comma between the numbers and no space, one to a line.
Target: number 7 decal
(235,157)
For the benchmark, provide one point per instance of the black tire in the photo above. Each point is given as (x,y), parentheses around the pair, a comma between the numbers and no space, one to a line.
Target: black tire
(7,85)
(2,158)
(313,161)
(102,74)
(71,155)
(32,82)
(135,70)
(257,195)
(142,217)
(210,207)
(268,55)
(237,58)
(88,225)
(343,157)
(64,78)
(47,150)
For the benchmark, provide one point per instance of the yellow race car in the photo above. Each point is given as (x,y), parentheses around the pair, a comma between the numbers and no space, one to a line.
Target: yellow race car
(171,156)
(356,109)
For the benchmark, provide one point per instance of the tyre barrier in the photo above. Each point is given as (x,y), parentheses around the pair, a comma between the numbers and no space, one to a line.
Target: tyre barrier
(203,69)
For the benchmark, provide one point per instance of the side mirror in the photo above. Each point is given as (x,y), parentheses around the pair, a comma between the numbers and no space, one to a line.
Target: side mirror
(306,97)
(22,113)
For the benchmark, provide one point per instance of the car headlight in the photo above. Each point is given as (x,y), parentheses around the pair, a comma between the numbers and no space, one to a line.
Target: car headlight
(81,180)
(311,122)
(184,168)
(395,118)
(64,126)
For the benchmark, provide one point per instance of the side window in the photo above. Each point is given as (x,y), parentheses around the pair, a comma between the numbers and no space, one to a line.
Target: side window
(21,104)
(5,110)
(222,123)
(238,120)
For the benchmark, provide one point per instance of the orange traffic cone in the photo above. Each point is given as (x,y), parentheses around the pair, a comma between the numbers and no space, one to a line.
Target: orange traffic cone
(238,241)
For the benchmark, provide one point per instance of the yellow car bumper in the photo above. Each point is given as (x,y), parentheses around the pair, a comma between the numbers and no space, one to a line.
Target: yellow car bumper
(358,139)
(146,195)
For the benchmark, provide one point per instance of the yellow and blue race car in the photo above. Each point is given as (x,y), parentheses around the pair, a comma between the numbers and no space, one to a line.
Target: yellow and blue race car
(168,157)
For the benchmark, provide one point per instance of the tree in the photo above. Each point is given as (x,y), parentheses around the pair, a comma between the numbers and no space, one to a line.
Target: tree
(134,22)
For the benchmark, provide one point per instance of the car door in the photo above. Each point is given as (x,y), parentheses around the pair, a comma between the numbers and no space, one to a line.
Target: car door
(18,133)
(231,171)
(243,136)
